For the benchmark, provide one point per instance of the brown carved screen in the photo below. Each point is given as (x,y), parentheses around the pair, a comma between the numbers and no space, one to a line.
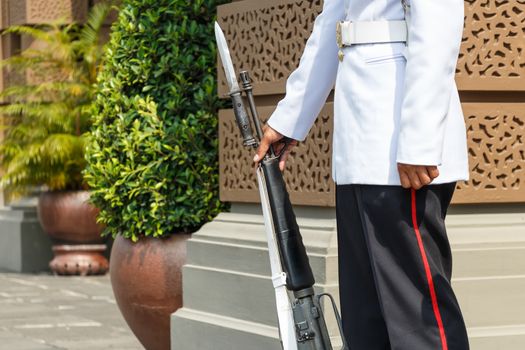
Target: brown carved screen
(307,172)
(16,12)
(493,52)
(267,38)
(24,12)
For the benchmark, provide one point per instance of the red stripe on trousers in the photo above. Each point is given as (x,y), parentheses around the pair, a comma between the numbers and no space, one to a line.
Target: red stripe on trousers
(430,281)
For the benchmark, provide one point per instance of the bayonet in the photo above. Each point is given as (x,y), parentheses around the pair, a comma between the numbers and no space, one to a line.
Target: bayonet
(241,116)
(226,59)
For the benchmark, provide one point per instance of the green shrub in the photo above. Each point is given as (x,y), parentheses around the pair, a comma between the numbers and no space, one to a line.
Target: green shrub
(152,160)
(47,116)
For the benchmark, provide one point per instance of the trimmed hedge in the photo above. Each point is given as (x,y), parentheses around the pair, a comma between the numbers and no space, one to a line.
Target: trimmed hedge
(152,158)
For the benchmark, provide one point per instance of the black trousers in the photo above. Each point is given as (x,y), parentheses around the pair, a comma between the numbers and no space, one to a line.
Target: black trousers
(395,266)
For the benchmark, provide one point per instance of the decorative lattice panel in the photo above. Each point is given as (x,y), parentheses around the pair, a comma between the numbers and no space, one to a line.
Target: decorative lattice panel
(496,135)
(44,11)
(268,38)
(493,51)
(307,174)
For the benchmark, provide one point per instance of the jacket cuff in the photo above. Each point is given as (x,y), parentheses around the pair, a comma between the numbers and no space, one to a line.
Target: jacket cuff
(427,158)
(280,123)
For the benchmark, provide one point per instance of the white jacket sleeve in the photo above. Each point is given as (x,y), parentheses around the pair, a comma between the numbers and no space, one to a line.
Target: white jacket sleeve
(434,32)
(309,85)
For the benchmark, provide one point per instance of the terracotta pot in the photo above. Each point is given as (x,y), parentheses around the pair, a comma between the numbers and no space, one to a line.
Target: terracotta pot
(147,282)
(70,221)
(67,216)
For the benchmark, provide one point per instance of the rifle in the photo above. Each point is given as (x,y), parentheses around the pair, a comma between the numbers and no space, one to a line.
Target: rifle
(301,319)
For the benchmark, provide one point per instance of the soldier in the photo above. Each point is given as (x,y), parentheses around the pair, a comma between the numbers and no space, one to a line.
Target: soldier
(399,147)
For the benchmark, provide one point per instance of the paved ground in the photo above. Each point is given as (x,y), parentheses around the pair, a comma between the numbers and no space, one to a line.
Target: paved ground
(45,312)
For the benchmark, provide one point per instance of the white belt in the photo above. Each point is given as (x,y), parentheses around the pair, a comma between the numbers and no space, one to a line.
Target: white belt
(368,32)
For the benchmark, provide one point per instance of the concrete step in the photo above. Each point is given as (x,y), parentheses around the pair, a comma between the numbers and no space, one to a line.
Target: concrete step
(511,337)
(208,331)
(223,333)
(489,274)
(238,295)
(491,301)
(507,259)
(249,228)
(226,256)
(470,260)
(190,324)
(229,301)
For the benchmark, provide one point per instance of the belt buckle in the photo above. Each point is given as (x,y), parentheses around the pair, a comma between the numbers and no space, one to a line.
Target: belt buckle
(339,34)
(339,39)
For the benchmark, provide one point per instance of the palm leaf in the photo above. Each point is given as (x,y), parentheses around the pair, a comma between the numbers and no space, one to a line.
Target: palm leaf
(42,33)
(90,32)
(46,91)
(45,161)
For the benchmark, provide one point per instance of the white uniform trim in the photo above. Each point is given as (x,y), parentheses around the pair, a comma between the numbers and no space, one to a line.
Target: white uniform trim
(392,103)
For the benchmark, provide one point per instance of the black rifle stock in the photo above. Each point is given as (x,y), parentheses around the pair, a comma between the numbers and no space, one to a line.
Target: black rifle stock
(293,255)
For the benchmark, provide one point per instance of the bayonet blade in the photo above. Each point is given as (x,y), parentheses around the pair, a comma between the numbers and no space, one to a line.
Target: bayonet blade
(226,59)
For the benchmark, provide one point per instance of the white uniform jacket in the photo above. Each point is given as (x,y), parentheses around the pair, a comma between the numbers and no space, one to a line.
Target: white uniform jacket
(392,102)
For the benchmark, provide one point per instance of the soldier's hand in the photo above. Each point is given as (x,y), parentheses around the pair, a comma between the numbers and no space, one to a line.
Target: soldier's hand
(274,138)
(416,176)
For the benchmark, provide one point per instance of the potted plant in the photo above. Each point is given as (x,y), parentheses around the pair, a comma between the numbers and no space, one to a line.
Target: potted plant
(46,117)
(152,157)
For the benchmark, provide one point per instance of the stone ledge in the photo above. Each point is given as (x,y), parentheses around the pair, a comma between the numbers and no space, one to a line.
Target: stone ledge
(511,337)
(24,247)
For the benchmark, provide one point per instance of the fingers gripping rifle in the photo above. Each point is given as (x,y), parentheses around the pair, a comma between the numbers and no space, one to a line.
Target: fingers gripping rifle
(301,322)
